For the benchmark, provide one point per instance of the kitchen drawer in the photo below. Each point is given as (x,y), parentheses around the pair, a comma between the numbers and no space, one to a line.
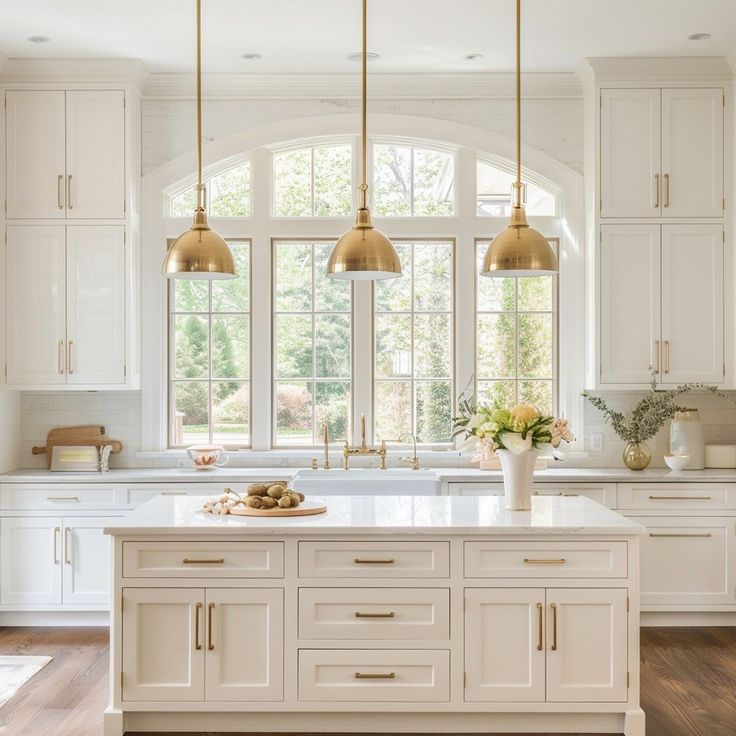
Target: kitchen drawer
(60,497)
(688,560)
(374,559)
(137,494)
(552,559)
(602,493)
(374,676)
(475,489)
(203,559)
(677,496)
(374,613)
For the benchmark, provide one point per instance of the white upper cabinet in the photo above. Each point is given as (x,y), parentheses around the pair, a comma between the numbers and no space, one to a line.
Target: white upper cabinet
(36,161)
(661,152)
(692,304)
(630,152)
(66,154)
(95,304)
(692,153)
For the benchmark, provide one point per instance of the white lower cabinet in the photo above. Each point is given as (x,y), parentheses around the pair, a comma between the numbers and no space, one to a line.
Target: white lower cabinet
(54,561)
(187,644)
(554,645)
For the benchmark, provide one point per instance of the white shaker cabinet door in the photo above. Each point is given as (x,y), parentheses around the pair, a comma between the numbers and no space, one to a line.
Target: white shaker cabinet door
(95,154)
(692,152)
(30,561)
(692,304)
(629,303)
(586,645)
(630,153)
(245,648)
(504,645)
(36,166)
(96,304)
(36,305)
(163,644)
(86,561)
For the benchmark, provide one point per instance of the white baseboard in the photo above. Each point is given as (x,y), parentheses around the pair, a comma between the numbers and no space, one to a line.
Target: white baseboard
(54,618)
(687,618)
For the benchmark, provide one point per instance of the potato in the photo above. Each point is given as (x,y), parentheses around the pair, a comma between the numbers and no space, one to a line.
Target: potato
(257,489)
(254,502)
(301,495)
(276,490)
(267,502)
(295,500)
(285,502)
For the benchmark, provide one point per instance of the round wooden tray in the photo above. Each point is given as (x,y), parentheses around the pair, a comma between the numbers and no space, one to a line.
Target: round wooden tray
(305,508)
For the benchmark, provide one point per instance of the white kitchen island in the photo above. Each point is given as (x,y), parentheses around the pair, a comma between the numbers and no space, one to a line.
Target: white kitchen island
(386,614)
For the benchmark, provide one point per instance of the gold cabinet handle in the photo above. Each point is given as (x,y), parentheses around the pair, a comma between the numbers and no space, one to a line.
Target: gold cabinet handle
(656,191)
(60,356)
(197,613)
(359,561)
(666,356)
(69,347)
(210,610)
(666,190)
(56,544)
(679,498)
(59,185)
(187,561)
(388,614)
(540,640)
(69,191)
(375,675)
(67,546)
(62,498)
(560,561)
(553,606)
(656,356)
(707,534)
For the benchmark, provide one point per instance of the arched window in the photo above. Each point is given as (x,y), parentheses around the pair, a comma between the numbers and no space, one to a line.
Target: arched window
(227,194)
(493,193)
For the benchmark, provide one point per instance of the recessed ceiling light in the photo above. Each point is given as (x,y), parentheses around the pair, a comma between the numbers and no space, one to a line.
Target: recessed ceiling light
(698,36)
(473,57)
(38,39)
(251,57)
(357,56)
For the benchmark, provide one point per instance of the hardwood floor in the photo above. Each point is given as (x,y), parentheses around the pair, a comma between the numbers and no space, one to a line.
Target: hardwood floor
(688,682)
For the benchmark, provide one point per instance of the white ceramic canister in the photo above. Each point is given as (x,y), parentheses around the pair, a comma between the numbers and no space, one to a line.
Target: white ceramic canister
(686,438)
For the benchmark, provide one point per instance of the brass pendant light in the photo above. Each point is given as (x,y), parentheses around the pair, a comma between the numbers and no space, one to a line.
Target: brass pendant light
(364,253)
(519,250)
(199,253)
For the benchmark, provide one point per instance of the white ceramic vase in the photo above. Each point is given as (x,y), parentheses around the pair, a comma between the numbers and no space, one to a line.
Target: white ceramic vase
(518,474)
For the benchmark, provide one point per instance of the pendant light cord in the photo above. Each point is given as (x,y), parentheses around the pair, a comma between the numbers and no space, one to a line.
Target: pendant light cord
(200,188)
(517,187)
(364,125)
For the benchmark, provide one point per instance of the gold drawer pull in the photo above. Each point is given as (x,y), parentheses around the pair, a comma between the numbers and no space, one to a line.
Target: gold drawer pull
(553,606)
(375,675)
(389,614)
(187,561)
(540,639)
(62,498)
(210,615)
(197,612)
(560,561)
(358,561)
(680,498)
(707,534)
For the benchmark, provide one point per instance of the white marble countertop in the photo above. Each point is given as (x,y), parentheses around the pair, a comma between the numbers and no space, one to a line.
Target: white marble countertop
(386,515)
(149,475)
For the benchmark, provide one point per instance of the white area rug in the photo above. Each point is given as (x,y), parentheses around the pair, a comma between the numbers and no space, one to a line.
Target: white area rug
(16,670)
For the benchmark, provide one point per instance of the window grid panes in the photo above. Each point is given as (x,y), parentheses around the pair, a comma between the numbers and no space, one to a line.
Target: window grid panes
(313,182)
(227,194)
(414,345)
(493,194)
(312,366)
(209,358)
(516,339)
(412,182)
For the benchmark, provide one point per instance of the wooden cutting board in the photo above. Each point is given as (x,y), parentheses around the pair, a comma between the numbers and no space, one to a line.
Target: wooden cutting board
(305,508)
(93,434)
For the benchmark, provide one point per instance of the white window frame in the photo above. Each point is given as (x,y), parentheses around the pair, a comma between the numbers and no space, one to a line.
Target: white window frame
(465,227)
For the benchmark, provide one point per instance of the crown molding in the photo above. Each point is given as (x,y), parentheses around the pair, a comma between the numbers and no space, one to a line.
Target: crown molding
(656,69)
(73,71)
(347,86)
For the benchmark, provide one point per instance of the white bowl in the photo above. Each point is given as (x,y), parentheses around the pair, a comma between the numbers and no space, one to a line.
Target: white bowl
(677,462)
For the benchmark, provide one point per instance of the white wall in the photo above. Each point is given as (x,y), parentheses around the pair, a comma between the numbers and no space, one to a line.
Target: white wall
(10,455)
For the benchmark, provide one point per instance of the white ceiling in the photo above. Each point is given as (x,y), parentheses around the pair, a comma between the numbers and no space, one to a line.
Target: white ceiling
(410,35)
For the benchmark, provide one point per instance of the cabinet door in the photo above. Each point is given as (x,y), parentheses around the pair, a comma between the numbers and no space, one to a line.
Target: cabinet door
(163,644)
(245,644)
(504,645)
(630,153)
(692,303)
(629,316)
(96,304)
(95,154)
(692,153)
(36,305)
(35,154)
(586,645)
(86,577)
(30,561)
